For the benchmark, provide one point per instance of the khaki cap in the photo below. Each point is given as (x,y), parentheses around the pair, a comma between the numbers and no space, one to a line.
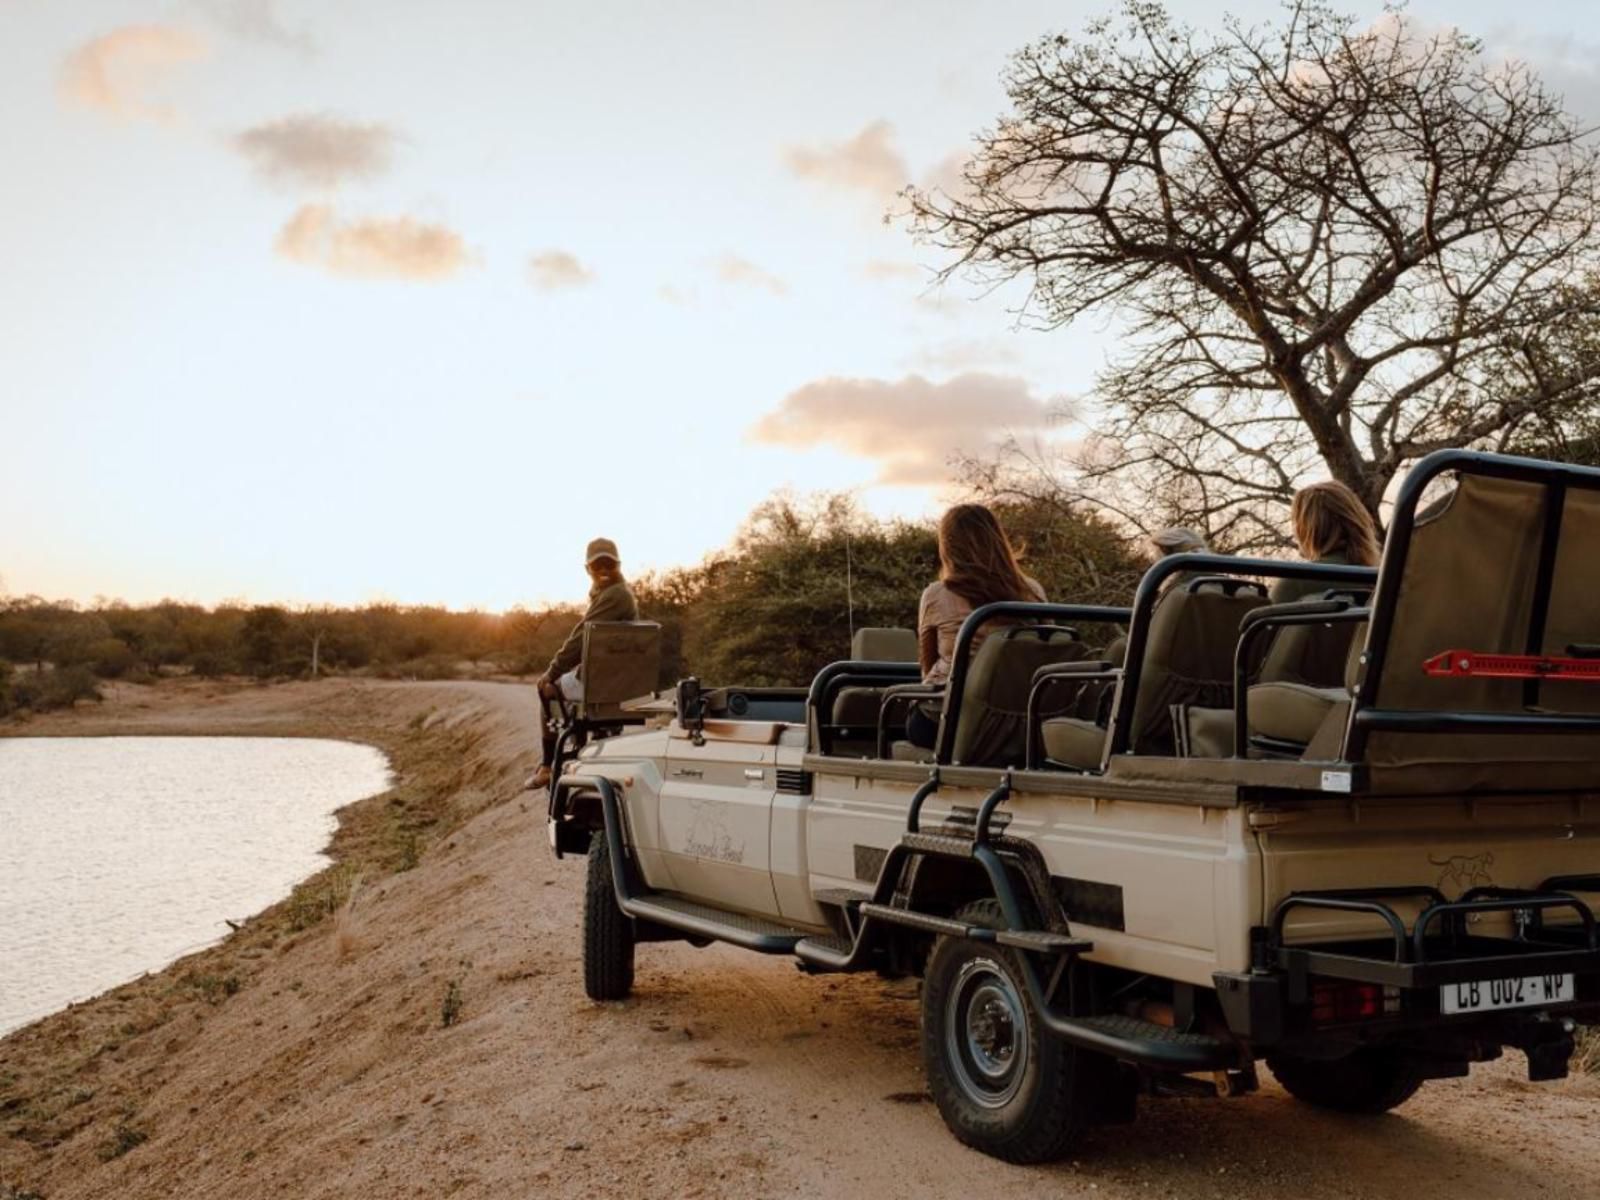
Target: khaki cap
(601,548)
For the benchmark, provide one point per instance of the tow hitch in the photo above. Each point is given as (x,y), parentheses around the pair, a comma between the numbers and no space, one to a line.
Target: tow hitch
(1547,1041)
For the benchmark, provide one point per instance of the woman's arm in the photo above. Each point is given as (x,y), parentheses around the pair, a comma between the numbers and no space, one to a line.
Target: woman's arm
(927,648)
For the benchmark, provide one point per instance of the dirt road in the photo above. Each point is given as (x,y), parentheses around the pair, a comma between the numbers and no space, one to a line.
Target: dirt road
(333,1074)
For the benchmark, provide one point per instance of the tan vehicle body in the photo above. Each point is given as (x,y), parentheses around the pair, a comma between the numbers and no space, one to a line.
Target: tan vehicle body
(1195,875)
(1367,851)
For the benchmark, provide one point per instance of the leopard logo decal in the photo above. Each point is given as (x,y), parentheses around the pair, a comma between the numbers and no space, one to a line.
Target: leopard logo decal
(1464,871)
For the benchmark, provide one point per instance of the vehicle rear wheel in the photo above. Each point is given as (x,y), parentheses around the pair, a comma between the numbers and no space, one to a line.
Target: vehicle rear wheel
(1004,1083)
(608,934)
(1372,1080)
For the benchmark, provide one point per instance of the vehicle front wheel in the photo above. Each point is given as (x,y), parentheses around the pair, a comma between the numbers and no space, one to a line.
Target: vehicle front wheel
(1004,1083)
(608,934)
(1372,1080)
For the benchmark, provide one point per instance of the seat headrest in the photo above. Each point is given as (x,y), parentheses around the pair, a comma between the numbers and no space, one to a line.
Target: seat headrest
(882,643)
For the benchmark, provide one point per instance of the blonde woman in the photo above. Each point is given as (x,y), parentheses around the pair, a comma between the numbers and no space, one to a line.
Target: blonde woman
(1330,526)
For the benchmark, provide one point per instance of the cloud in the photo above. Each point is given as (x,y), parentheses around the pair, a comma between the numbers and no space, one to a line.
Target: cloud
(257,21)
(317,149)
(732,269)
(867,162)
(870,163)
(912,427)
(881,270)
(371,247)
(679,296)
(964,355)
(117,71)
(1566,64)
(552,270)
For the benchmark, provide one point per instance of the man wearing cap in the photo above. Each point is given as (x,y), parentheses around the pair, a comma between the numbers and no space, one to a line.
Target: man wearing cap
(609,600)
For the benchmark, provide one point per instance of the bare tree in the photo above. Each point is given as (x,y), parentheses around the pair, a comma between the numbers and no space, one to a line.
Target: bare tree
(1331,249)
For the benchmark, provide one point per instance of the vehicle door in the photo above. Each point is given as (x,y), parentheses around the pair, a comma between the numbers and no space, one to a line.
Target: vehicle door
(716,820)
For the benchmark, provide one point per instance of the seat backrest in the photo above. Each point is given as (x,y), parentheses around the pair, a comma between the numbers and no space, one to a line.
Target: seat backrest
(883,643)
(1310,654)
(621,661)
(1188,659)
(991,726)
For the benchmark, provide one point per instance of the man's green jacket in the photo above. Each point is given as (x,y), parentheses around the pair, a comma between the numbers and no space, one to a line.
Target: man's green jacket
(607,602)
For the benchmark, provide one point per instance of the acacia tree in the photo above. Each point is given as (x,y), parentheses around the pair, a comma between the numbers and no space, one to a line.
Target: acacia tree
(1331,249)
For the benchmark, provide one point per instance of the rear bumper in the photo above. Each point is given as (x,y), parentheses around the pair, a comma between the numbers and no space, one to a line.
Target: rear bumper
(1271,1005)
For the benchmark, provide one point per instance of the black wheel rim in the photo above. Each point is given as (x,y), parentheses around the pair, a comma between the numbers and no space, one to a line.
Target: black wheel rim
(986,1033)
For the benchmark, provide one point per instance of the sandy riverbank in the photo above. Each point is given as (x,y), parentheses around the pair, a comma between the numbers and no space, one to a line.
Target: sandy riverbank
(308,1055)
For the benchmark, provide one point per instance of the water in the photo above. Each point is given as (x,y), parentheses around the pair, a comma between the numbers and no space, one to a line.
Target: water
(118,855)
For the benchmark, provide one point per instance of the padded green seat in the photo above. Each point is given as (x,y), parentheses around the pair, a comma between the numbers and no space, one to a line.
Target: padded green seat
(1073,740)
(907,752)
(1291,712)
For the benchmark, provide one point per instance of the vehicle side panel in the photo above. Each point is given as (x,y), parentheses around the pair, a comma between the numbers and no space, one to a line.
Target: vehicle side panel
(1183,877)
(716,817)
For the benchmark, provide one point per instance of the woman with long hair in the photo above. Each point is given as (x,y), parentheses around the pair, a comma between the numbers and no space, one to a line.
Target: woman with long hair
(977,566)
(1331,525)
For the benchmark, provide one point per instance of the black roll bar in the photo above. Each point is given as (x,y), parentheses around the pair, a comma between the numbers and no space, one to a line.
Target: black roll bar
(961,656)
(1081,672)
(1366,717)
(836,676)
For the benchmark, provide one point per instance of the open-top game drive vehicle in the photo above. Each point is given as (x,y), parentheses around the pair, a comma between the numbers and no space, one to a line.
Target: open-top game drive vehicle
(1356,836)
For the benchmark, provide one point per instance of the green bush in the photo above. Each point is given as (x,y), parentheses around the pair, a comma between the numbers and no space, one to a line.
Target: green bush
(208,665)
(58,687)
(110,658)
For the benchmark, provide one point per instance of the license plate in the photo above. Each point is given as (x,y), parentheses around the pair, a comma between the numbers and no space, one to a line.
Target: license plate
(1485,995)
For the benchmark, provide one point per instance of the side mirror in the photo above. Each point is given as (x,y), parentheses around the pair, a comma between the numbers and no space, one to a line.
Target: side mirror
(691,704)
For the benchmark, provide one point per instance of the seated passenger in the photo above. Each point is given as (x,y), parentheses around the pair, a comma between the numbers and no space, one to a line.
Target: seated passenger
(1178,540)
(1330,526)
(977,566)
(610,599)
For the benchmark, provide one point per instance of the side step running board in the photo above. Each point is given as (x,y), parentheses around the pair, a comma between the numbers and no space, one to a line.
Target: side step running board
(701,920)
(1145,1042)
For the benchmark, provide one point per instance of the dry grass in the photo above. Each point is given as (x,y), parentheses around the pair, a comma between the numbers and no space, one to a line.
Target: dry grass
(450,1009)
(346,937)
(1586,1059)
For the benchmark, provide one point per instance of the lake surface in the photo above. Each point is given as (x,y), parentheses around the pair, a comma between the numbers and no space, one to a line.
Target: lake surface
(120,854)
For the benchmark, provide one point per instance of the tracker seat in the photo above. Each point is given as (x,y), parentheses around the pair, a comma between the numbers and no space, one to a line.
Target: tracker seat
(621,662)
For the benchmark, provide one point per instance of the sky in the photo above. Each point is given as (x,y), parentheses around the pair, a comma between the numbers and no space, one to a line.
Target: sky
(332,302)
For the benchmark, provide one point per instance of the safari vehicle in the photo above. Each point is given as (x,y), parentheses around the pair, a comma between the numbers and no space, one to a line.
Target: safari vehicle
(1356,837)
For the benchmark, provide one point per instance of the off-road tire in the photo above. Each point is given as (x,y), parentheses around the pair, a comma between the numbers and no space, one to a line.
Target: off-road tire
(1049,1107)
(1370,1081)
(607,931)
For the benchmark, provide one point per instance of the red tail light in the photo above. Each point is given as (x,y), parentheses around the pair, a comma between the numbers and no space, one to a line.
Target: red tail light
(1336,1002)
